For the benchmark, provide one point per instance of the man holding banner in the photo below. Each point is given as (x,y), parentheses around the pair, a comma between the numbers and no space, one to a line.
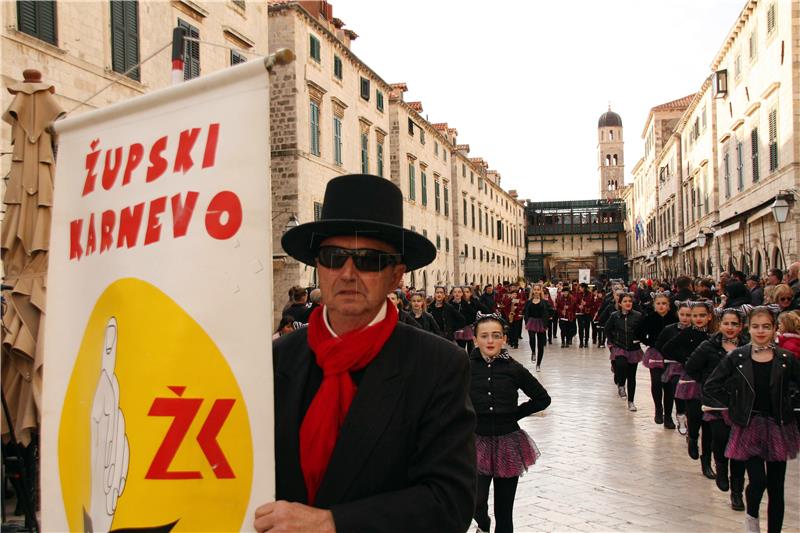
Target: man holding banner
(373,424)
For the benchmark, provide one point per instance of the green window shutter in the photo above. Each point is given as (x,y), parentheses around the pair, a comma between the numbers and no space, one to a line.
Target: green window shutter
(754,153)
(412,193)
(436,196)
(314,48)
(380,159)
(424,185)
(38,18)
(125,37)
(727,174)
(191,51)
(773,140)
(446,201)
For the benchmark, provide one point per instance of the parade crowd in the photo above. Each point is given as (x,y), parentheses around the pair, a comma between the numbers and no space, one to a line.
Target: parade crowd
(723,354)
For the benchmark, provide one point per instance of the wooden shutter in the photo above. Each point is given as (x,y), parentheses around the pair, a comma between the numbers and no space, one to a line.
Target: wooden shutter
(773,140)
(125,37)
(754,153)
(38,18)
(317,211)
(191,51)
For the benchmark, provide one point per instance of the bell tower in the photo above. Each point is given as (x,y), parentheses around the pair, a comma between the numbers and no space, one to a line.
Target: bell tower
(610,154)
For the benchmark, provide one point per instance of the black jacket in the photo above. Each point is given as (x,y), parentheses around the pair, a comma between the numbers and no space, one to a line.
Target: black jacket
(731,385)
(542,310)
(488,302)
(406,318)
(470,310)
(300,312)
(667,334)
(685,294)
(427,322)
(681,346)
(407,441)
(705,358)
(448,319)
(467,313)
(607,306)
(625,330)
(494,394)
(653,324)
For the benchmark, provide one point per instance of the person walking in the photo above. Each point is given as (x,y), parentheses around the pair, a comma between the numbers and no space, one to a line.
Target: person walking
(447,318)
(536,316)
(550,294)
(583,314)
(565,306)
(623,331)
(463,335)
(673,369)
(421,316)
(504,451)
(680,348)
(700,366)
(661,316)
(487,299)
(597,327)
(513,308)
(755,383)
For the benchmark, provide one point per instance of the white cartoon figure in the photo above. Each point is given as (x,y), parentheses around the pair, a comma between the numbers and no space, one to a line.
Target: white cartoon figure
(109,445)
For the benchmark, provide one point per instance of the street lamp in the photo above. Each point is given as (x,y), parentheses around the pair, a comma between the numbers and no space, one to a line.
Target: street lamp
(780,210)
(462,257)
(292,223)
(701,239)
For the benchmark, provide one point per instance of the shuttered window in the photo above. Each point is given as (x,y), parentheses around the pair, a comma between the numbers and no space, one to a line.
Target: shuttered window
(465,211)
(754,153)
(337,141)
(424,184)
(446,201)
(337,67)
(191,51)
(125,37)
(379,100)
(726,172)
(739,166)
(773,140)
(38,18)
(317,210)
(364,153)
(237,58)
(436,196)
(771,18)
(314,113)
(314,48)
(365,89)
(412,186)
(380,158)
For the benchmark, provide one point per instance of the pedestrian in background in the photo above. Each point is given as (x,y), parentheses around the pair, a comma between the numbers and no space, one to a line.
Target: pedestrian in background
(756,291)
(656,319)
(623,332)
(421,315)
(537,317)
(504,450)
(583,314)
(447,318)
(565,306)
(774,279)
(487,299)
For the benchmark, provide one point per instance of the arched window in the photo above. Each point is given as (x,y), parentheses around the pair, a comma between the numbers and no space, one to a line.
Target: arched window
(608,159)
(614,159)
(611,134)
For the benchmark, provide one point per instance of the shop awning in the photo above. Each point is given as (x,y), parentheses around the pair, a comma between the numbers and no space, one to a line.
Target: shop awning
(760,213)
(727,229)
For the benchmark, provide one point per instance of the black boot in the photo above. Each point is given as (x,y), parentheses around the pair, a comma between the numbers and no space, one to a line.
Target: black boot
(705,465)
(737,486)
(694,452)
(722,475)
(659,418)
(669,423)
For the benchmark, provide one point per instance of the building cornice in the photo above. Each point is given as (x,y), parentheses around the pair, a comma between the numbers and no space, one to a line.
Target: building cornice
(744,16)
(275,9)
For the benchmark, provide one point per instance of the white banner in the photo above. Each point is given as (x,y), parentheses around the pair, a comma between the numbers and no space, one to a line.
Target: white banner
(158,374)
(584,275)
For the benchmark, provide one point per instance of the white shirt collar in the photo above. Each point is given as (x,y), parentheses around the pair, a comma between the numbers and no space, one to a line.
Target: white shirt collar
(380,316)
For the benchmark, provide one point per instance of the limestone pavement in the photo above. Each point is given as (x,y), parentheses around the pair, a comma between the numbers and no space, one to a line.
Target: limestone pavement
(606,469)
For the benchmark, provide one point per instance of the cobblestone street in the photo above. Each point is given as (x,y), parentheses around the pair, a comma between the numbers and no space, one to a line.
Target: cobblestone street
(606,469)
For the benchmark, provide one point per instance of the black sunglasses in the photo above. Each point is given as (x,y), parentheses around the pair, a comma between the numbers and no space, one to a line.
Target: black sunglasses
(365,259)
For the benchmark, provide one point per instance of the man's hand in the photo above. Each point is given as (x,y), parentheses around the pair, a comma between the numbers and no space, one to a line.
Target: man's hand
(287,517)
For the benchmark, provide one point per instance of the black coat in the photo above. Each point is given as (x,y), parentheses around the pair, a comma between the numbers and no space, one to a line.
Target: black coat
(653,324)
(705,358)
(427,322)
(494,394)
(624,330)
(730,385)
(405,456)
(448,319)
(667,334)
(681,346)
(488,302)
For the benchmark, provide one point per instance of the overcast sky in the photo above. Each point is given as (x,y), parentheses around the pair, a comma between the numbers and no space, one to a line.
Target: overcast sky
(524,81)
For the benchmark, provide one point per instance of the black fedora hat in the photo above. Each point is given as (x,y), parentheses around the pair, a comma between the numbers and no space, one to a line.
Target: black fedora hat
(360,205)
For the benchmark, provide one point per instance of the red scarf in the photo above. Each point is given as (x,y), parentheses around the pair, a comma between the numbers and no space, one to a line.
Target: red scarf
(337,356)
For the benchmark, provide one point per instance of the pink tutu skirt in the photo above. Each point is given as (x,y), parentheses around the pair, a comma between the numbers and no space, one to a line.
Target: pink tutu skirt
(465,334)
(710,416)
(536,325)
(688,389)
(633,356)
(653,359)
(507,455)
(764,438)
(673,370)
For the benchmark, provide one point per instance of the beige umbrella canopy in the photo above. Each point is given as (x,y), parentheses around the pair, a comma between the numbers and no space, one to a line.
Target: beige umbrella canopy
(24,244)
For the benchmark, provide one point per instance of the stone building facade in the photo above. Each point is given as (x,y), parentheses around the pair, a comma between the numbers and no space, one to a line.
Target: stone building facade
(737,152)
(331,114)
(610,154)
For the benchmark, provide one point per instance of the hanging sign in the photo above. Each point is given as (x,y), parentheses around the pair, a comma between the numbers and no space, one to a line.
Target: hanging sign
(158,397)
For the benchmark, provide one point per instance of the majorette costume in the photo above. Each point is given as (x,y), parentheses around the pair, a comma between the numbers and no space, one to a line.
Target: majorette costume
(652,327)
